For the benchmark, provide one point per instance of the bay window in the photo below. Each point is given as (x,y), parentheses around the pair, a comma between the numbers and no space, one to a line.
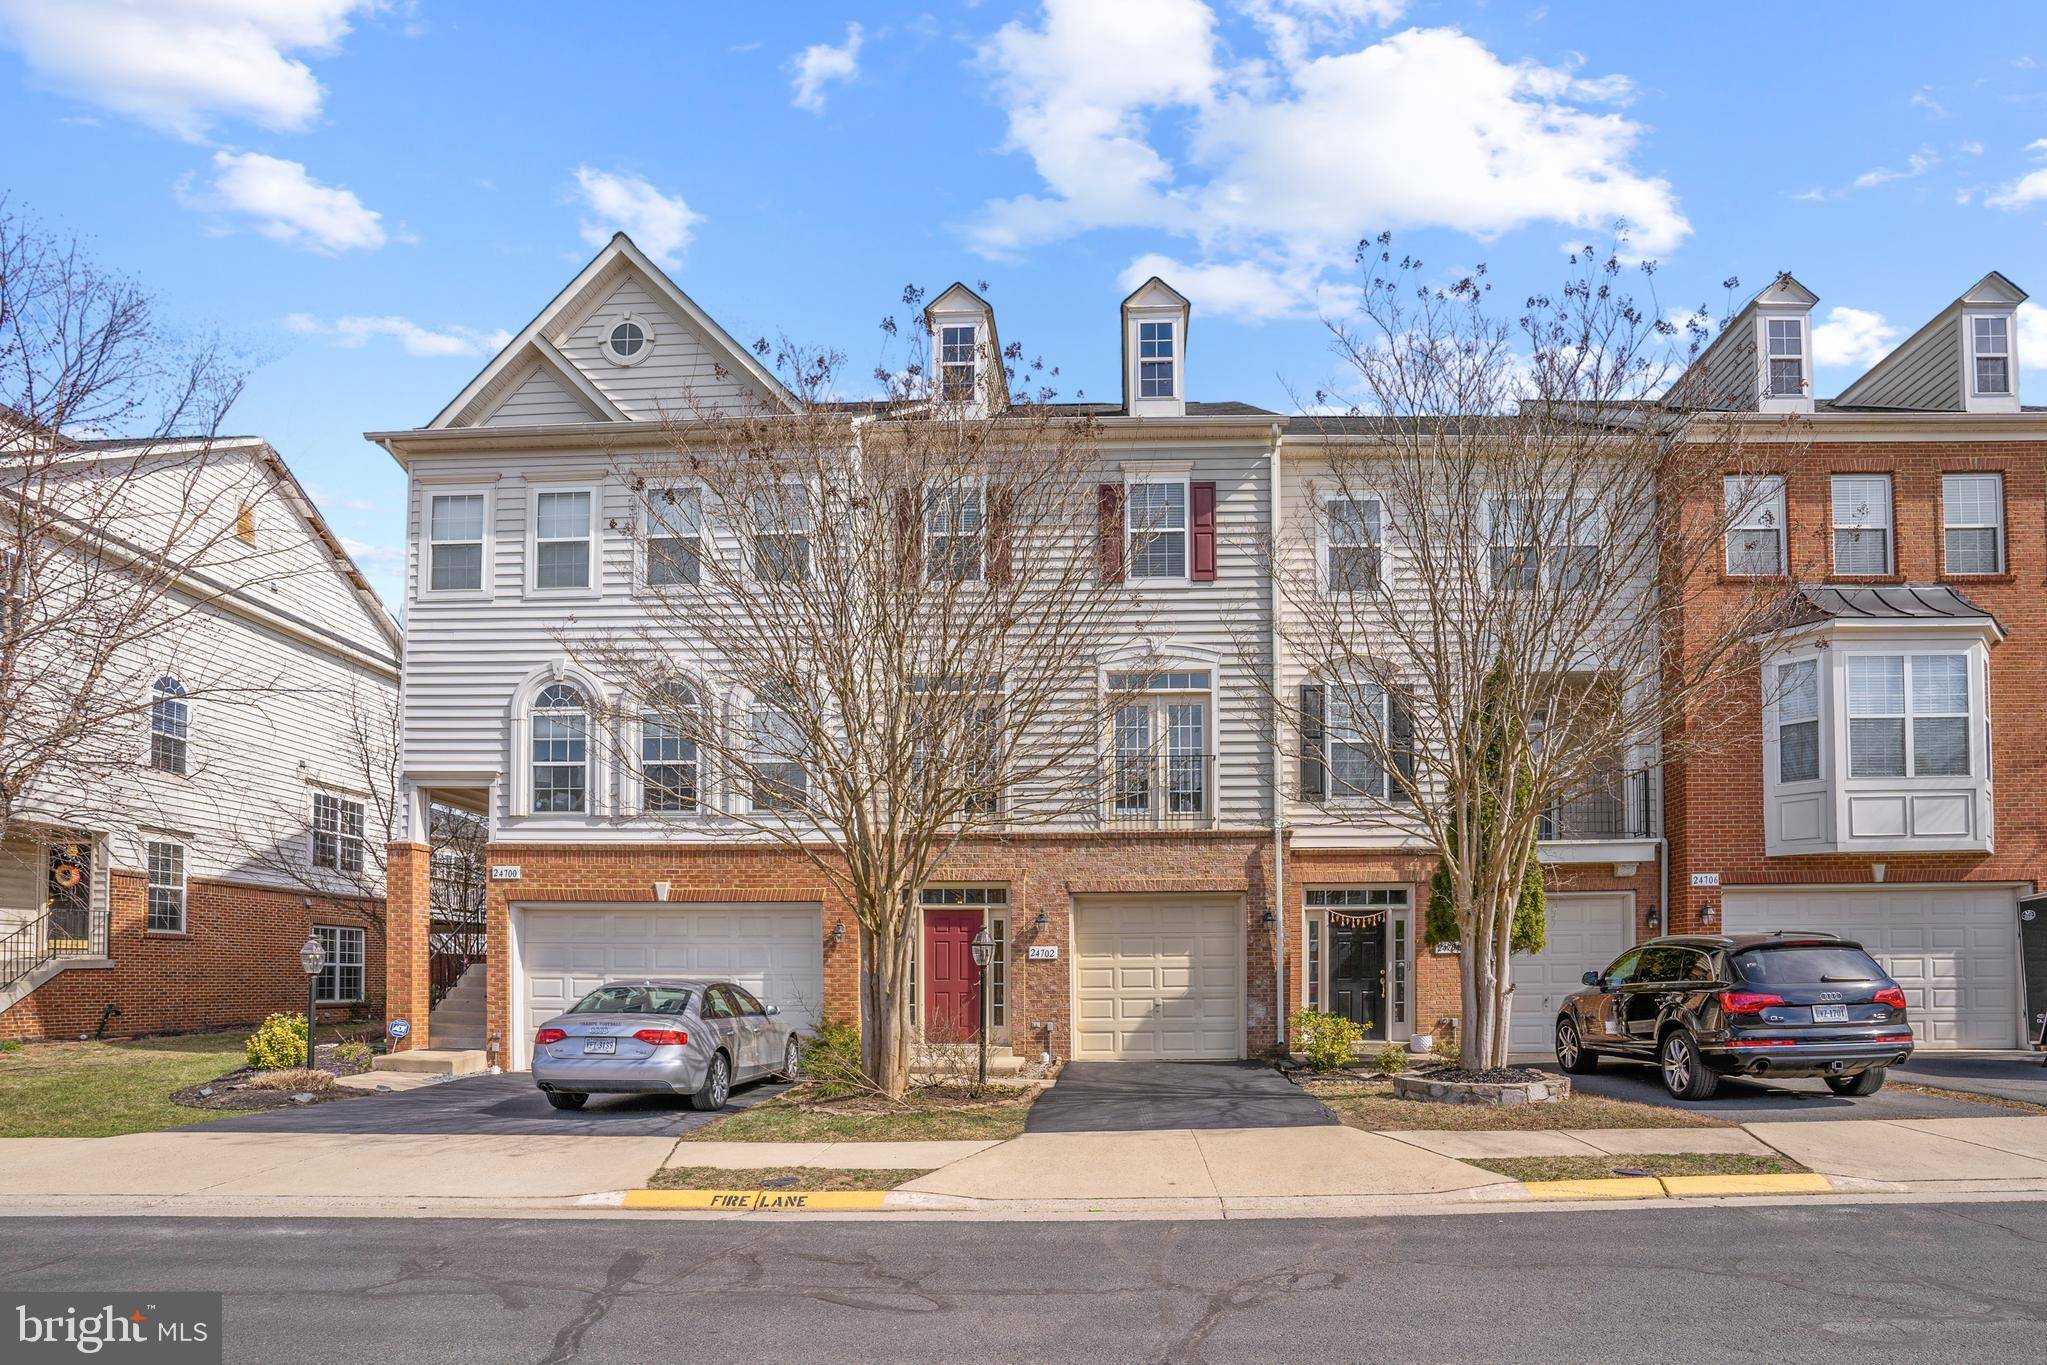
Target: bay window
(1908,715)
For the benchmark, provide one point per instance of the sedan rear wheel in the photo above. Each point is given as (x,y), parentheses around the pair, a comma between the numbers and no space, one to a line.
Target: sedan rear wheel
(1862,1083)
(1572,1054)
(1684,1074)
(792,1058)
(717,1084)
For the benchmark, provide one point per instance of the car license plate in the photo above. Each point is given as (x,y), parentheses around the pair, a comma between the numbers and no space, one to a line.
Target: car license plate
(1830,1014)
(598,1046)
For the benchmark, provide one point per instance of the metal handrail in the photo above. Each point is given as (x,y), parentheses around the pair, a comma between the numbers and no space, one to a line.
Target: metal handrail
(1156,789)
(1623,807)
(36,940)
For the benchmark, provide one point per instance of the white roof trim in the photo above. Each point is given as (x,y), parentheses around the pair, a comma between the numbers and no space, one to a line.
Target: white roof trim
(578,383)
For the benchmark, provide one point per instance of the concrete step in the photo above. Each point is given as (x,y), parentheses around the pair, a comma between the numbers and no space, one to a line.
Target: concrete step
(437,1061)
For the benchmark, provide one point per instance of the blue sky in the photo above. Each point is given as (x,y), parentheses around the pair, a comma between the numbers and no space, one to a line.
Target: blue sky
(367,196)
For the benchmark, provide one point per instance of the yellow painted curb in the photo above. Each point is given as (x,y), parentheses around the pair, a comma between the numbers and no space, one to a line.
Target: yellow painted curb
(754,1201)
(1618,1187)
(1798,1182)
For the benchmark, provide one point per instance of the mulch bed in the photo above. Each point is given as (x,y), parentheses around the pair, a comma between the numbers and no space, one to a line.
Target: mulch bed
(1492,1075)
(234,1093)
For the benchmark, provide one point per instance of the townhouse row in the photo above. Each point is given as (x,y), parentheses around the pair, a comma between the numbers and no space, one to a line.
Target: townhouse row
(1234,868)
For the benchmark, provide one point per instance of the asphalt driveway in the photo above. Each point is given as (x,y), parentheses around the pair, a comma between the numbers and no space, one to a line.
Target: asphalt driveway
(507,1105)
(1747,1101)
(2004,1075)
(1131,1097)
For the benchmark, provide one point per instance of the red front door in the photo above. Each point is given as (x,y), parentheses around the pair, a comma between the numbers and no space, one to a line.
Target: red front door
(952,990)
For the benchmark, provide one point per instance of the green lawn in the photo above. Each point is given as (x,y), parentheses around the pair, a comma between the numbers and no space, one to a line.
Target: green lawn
(787,1119)
(802,1178)
(1634,1163)
(1371,1104)
(102,1089)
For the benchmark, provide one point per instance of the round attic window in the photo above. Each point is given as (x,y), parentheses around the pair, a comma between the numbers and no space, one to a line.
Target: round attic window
(628,342)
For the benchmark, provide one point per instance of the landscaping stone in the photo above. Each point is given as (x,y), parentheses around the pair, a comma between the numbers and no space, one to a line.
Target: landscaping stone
(1430,1086)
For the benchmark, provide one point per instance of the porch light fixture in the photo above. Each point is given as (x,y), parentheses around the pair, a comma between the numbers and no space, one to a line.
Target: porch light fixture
(1267,919)
(983,949)
(312,957)
(838,933)
(1042,921)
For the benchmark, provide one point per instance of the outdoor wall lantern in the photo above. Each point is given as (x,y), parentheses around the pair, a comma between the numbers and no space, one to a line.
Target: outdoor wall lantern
(838,933)
(1042,921)
(983,949)
(312,957)
(1267,919)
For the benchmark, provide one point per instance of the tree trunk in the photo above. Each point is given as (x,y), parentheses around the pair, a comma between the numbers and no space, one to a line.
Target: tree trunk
(885,1008)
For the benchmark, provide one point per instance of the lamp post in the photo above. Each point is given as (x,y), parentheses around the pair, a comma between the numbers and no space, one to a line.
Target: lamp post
(312,957)
(984,953)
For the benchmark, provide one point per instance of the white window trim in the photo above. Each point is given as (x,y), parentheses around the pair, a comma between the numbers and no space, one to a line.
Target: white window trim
(1409,914)
(745,781)
(1550,552)
(183,695)
(642,571)
(939,365)
(979,488)
(752,548)
(1997,525)
(1774,721)
(1325,542)
(1172,326)
(1887,525)
(1352,797)
(1156,698)
(1974,715)
(520,734)
(1802,324)
(424,590)
(361,964)
(1969,356)
(592,558)
(1752,519)
(184,885)
(341,838)
(626,362)
(633,800)
(1152,478)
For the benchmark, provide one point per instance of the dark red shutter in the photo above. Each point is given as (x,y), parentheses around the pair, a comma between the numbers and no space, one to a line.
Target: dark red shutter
(910,532)
(1110,552)
(1201,519)
(999,518)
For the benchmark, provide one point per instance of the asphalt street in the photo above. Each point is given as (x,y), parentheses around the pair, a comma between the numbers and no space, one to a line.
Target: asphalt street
(1814,1283)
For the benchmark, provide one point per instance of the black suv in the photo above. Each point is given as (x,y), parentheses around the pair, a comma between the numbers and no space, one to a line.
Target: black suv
(1705,1006)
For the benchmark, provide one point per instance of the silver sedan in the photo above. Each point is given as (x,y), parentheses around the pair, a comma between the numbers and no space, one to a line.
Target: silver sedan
(662,1036)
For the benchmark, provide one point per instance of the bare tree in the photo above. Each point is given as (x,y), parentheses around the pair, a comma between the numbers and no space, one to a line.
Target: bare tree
(119,526)
(1483,587)
(870,633)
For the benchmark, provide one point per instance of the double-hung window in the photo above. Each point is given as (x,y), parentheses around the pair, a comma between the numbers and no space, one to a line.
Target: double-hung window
(166,887)
(1862,524)
(958,362)
(776,752)
(170,726)
(1553,539)
(1798,721)
(1155,360)
(1355,542)
(337,833)
(669,765)
(455,534)
(675,536)
(561,540)
(953,527)
(1786,337)
(1908,714)
(1755,524)
(561,751)
(1992,355)
(1972,522)
(1157,528)
(340,980)
(1356,728)
(781,533)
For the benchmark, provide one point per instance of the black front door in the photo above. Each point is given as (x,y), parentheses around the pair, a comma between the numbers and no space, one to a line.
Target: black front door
(1357,975)
(70,892)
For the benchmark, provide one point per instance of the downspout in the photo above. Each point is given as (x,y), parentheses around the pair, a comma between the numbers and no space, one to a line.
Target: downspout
(1279,905)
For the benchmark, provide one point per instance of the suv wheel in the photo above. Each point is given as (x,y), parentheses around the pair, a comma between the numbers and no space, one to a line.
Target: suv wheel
(1572,1054)
(1861,1083)
(1684,1072)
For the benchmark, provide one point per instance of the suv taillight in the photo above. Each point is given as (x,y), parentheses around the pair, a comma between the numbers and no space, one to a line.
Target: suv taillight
(549,1035)
(1892,996)
(662,1037)
(1747,1002)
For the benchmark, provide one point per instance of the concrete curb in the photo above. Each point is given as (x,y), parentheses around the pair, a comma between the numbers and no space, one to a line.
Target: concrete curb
(1680,1186)
(754,1201)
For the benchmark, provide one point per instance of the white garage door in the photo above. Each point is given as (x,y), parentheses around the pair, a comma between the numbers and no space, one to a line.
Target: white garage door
(1158,979)
(1955,950)
(775,951)
(1586,932)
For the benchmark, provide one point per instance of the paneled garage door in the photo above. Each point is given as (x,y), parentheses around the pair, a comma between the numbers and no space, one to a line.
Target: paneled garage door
(1585,933)
(1158,979)
(1955,950)
(563,953)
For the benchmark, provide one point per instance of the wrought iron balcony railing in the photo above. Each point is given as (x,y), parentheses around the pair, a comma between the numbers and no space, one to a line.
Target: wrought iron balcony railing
(1159,791)
(1624,807)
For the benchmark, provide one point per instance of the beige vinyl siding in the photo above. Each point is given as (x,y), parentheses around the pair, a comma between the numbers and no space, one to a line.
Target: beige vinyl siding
(680,377)
(538,399)
(21,878)
(1925,376)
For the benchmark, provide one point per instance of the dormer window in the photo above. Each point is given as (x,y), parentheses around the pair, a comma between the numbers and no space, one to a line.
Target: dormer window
(1992,337)
(957,363)
(1787,357)
(1155,360)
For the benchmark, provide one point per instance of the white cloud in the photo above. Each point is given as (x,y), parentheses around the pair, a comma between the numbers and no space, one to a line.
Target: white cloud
(1282,173)
(1293,27)
(2030,188)
(820,65)
(661,224)
(354,331)
(1923,98)
(1852,337)
(178,65)
(286,205)
(1969,147)
(1254,290)
(1917,164)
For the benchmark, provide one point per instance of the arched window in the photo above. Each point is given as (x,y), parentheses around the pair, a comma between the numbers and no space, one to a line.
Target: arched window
(670,769)
(561,751)
(170,726)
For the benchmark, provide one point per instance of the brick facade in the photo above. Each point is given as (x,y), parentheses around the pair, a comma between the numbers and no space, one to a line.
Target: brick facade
(236,962)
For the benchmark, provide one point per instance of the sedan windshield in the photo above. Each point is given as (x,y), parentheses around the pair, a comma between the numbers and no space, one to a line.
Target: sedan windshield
(1805,964)
(633,1000)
